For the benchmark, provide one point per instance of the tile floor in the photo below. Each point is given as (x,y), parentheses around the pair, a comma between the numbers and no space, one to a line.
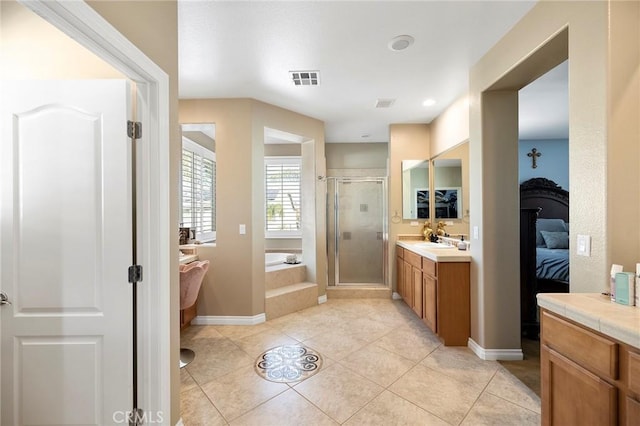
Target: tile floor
(381,366)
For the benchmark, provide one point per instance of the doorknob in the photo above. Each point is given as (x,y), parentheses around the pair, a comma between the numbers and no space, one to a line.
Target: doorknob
(4,300)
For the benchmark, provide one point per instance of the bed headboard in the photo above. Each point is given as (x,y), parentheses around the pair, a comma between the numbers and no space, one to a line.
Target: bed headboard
(546,194)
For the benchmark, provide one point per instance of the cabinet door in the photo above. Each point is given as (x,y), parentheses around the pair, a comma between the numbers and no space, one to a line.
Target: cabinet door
(400,276)
(572,395)
(417,290)
(408,288)
(429,302)
(633,412)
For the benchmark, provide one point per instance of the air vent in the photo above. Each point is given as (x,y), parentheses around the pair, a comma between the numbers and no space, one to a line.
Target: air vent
(305,78)
(384,103)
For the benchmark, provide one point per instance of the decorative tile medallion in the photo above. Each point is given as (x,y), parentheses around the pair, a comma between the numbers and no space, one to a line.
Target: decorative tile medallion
(288,363)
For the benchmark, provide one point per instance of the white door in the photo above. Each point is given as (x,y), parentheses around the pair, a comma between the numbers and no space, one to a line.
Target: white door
(65,249)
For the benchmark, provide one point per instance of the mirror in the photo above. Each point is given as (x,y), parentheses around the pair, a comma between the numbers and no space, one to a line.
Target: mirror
(447,182)
(198,182)
(415,189)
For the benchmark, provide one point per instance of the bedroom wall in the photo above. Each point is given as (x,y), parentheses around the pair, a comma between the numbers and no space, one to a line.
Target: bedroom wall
(552,164)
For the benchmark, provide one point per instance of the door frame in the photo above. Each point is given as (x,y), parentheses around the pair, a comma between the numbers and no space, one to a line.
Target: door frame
(81,22)
(336,225)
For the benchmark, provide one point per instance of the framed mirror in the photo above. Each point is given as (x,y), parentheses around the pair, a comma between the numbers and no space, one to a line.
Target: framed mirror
(415,189)
(447,183)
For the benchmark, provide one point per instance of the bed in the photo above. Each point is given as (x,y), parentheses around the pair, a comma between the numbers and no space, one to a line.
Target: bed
(544,246)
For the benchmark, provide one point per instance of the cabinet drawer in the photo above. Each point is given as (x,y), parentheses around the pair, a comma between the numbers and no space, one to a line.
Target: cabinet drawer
(634,372)
(429,267)
(589,350)
(413,259)
(399,252)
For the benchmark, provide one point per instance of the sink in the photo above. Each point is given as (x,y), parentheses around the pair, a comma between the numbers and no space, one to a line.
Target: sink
(431,245)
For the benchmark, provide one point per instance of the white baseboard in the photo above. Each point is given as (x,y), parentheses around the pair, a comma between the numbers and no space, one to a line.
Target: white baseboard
(495,354)
(229,320)
(396,296)
(322,299)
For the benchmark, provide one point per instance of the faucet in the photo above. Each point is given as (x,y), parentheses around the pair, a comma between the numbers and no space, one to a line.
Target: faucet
(427,232)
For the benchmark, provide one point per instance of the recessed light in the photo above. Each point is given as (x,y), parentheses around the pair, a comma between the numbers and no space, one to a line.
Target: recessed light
(400,42)
(429,102)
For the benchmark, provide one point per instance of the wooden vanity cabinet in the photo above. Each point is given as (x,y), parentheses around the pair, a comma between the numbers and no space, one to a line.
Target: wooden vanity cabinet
(438,292)
(429,296)
(400,271)
(587,378)
(447,300)
(413,281)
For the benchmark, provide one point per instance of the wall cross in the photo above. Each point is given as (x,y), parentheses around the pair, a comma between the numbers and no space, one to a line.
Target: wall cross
(534,154)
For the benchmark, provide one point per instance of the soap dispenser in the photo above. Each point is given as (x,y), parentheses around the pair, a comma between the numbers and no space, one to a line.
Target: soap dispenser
(462,245)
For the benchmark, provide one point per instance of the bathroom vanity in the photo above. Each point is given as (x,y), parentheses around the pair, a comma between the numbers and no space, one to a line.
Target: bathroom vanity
(589,360)
(434,281)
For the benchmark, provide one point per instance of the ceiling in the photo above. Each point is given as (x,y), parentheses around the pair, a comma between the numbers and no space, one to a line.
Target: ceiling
(237,49)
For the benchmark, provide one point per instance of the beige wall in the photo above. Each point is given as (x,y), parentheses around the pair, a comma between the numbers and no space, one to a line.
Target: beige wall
(357,155)
(33,49)
(623,148)
(406,142)
(494,80)
(450,128)
(235,282)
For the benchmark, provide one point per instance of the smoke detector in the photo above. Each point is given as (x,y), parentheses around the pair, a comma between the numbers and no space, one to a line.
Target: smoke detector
(305,78)
(400,42)
(384,103)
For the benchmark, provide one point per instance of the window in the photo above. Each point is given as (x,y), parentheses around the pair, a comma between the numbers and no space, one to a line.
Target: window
(283,197)
(198,190)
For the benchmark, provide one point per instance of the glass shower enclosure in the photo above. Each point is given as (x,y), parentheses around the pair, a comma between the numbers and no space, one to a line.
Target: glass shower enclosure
(357,231)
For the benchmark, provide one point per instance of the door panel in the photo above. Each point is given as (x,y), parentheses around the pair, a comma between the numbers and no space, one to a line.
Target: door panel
(65,250)
(360,223)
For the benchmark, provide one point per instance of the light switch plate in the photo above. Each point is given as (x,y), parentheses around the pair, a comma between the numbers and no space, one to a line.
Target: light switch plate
(243,229)
(583,243)
(475,233)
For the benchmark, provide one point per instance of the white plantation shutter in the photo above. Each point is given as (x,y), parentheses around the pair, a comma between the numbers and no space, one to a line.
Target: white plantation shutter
(198,190)
(283,196)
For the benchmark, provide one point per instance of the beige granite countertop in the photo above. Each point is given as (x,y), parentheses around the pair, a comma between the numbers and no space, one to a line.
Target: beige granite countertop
(597,312)
(436,254)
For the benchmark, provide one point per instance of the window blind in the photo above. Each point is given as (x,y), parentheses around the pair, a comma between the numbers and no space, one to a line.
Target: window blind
(198,188)
(283,195)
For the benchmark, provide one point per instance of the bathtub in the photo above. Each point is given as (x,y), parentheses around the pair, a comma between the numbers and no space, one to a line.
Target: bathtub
(272,259)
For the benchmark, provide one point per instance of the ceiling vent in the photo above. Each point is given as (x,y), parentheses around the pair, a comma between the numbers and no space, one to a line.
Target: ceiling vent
(305,78)
(384,103)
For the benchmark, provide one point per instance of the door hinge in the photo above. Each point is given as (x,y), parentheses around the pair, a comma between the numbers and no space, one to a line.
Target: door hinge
(134,129)
(135,274)
(136,417)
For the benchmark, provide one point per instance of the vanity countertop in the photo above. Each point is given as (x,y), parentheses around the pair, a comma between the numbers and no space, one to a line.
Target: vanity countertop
(598,312)
(436,254)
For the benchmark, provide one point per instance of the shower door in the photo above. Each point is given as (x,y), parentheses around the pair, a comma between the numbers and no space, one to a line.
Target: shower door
(357,231)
